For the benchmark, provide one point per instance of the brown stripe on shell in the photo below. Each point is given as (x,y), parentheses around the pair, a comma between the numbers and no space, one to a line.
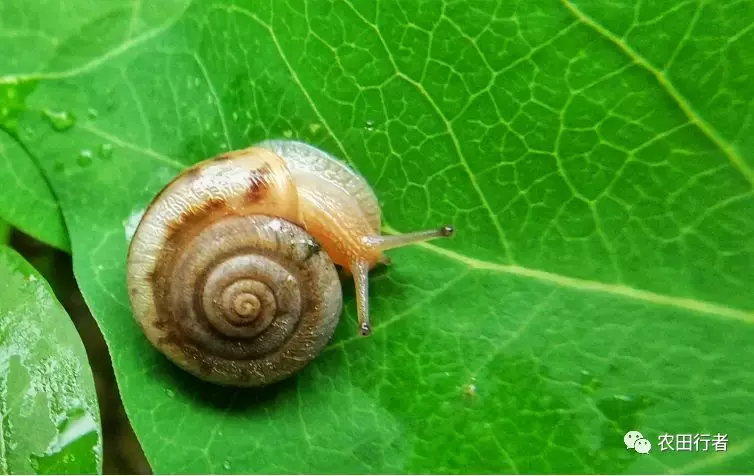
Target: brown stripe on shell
(259,184)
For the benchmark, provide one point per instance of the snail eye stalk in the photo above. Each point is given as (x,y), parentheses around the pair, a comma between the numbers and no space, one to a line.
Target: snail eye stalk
(388,242)
(360,269)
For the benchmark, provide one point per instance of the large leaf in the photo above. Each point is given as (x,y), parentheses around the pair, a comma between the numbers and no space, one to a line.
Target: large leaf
(596,158)
(50,419)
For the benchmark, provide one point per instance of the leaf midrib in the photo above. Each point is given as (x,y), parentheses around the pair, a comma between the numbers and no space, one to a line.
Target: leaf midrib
(695,305)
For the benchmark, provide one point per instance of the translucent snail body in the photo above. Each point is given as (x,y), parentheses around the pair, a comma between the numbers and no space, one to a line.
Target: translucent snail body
(231,270)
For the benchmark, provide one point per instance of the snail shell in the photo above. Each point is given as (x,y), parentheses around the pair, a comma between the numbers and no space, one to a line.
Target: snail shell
(231,271)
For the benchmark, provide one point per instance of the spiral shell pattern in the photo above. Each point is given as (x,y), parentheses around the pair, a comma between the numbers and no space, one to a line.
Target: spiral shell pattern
(225,289)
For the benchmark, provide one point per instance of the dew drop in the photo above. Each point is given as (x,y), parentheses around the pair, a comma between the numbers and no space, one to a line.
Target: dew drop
(85,157)
(60,121)
(369,125)
(132,222)
(106,151)
(226,465)
(170,393)
(315,127)
(92,113)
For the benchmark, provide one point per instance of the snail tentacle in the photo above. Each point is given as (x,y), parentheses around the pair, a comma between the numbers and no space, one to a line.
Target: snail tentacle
(360,270)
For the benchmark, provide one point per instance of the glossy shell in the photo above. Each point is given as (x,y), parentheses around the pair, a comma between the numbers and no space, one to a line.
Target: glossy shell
(303,158)
(221,279)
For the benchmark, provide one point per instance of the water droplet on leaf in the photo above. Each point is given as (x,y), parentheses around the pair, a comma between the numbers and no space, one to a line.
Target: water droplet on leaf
(60,121)
(85,157)
(170,393)
(369,125)
(106,151)
(132,222)
(92,113)
(226,465)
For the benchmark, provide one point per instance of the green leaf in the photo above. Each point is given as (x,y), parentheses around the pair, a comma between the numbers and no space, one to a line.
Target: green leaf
(595,157)
(50,419)
(5,232)
(26,200)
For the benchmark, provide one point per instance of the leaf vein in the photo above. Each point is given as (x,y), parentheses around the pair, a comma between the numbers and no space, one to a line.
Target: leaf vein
(448,127)
(291,70)
(96,62)
(706,128)
(215,99)
(406,312)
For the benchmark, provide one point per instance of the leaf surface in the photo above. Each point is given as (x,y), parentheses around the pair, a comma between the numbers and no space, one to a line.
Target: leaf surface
(595,158)
(50,419)
(26,200)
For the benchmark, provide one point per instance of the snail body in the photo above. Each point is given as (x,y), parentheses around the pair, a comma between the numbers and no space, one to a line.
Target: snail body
(231,270)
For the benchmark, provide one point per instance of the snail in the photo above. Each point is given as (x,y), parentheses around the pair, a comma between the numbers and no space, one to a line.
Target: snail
(231,271)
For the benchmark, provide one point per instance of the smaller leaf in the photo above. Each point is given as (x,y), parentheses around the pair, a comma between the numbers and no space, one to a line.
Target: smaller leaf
(50,419)
(26,200)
